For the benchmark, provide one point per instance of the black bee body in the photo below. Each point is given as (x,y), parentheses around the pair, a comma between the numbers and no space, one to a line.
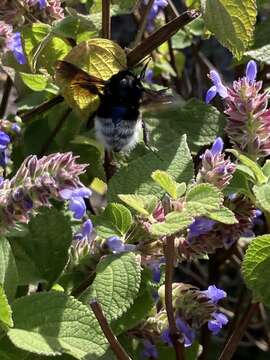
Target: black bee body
(118,120)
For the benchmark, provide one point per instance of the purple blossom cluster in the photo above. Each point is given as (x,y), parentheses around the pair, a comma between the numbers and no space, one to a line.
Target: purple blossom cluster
(215,169)
(36,182)
(8,131)
(246,106)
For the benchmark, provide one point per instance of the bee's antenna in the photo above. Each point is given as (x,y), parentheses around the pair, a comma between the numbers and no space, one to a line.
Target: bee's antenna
(142,75)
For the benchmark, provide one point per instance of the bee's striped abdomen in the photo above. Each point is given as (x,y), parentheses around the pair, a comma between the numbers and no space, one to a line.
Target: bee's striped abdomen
(121,135)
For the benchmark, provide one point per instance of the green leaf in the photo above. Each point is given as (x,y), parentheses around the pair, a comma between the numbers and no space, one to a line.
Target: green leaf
(174,222)
(5,310)
(252,165)
(52,323)
(203,199)
(262,194)
(115,220)
(72,26)
(144,204)
(42,48)
(232,22)
(174,158)
(203,123)
(238,184)
(43,253)
(8,269)
(116,284)
(223,215)
(37,82)
(166,182)
(256,268)
(137,312)
(266,168)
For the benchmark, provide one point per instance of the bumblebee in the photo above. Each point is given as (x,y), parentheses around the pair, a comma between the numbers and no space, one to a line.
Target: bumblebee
(117,121)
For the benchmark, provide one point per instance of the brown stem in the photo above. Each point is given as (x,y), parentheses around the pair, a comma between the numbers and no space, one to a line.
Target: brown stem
(174,332)
(238,333)
(41,108)
(106,19)
(55,132)
(117,348)
(143,22)
(159,37)
(5,97)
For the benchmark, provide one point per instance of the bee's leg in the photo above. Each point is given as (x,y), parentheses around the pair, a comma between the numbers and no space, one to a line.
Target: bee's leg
(109,165)
(145,134)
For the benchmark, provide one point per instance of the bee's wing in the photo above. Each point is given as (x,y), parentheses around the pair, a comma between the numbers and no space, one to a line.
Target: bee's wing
(157,97)
(78,79)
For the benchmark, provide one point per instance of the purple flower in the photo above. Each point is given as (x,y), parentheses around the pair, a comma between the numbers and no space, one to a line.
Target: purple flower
(157,6)
(117,246)
(214,294)
(14,44)
(16,128)
(217,88)
(42,4)
(216,324)
(188,333)
(200,226)
(149,350)
(251,71)
(4,140)
(85,231)
(154,266)
(217,146)
(76,200)
(4,157)
(148,77)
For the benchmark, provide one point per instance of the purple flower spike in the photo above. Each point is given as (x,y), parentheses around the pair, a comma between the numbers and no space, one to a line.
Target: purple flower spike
(218,87)
(4,158)
(214,294)
(4,140)
(200,226)
(251,71)
(76,202)
(217,147)
(149,351)
(219,320)
(188,333)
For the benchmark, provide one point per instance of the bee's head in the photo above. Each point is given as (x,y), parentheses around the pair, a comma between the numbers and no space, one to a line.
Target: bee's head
(125,88)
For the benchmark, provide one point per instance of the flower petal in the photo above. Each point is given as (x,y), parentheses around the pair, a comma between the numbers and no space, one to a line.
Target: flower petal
(251,71)
(217,147)
(211,93)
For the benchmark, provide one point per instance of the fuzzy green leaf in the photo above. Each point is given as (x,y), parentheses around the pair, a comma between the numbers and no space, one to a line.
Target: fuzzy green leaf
(52,323)
(262,194)
(5,310)
(166,182)
(116,284)
(223,215)
(256,268)
(203,123)
(8,269)
(232,22)
(203,199)
(174,222)
(251,165)
(174,158)
(42,254)
(115,220)
(143,204)
(37,82)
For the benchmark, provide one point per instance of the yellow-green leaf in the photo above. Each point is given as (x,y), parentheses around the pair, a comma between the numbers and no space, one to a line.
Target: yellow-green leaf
(5,310)
(232,22)
(99,57)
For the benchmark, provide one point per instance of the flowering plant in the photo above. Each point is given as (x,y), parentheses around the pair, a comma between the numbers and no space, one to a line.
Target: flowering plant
(158,252)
